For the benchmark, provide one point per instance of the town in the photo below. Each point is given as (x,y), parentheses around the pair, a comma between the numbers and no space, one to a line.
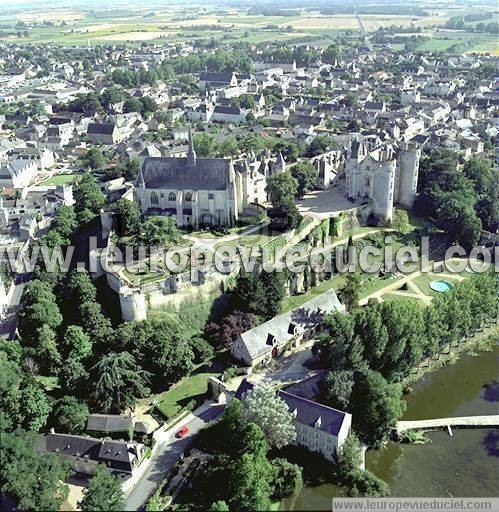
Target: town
(129,385)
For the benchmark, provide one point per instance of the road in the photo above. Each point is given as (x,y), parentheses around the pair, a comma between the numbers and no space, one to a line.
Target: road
(168,453)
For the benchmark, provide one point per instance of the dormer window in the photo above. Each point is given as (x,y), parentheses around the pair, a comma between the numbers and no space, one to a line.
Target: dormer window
(188,197)
(318,422)
(294,412)
(271,340)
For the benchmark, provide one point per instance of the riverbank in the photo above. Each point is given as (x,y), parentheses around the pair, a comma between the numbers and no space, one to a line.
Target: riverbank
(484,341)
(465,464)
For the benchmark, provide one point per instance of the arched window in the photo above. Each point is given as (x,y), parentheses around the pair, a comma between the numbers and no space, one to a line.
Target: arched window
(172,197)
(154,198)
(188,197)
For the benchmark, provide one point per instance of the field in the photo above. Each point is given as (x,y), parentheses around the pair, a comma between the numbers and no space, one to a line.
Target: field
(60,179)
(73,26)
(175,399)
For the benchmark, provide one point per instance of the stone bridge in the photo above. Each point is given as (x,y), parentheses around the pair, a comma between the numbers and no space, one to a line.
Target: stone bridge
(462,421)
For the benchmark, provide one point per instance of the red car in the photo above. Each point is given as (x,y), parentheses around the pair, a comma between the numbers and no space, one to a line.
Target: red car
(182,432)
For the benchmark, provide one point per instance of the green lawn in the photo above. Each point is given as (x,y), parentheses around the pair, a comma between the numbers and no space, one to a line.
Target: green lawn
(194,387)
(60,179)
(423,283)
(393,296)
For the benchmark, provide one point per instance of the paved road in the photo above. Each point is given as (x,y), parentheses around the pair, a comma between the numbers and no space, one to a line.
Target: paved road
(168,453)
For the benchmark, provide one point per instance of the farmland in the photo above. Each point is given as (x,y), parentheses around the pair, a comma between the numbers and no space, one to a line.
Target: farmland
(73,26)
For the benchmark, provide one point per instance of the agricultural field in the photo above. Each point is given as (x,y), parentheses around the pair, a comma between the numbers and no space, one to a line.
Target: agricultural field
(73,26)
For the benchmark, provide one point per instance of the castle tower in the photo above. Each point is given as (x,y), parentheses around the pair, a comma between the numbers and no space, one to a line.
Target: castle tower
(133,305)
(408,161)
(353,173)
(384,184)
(191,154)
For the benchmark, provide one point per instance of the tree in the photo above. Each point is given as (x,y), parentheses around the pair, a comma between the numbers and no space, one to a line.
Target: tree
(10,392)
(400,222)
(80,287)
(71,415)
(350,293)
(288,480)
(306,175)
(129,215)
(376,406)
(37,406)
(349,458)
(33,317)
(249,294)
(76,343)
(219,506)
(338,388)
(94,158)
(231,326)
(34,479)
(201,349)
(332,53)
(358,482)
(88,198)
(273,288)
(158,231)
(282,189)
(103,492)
(321,144)
(97,326)
(160,347)
(262,407)
(65,221)
(119,381)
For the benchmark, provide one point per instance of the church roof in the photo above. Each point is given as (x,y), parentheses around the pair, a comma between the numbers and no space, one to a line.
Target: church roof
(176,173)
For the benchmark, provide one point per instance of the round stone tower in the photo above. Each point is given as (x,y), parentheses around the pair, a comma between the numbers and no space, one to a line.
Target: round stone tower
(409,156)
(384,183)
(133,305)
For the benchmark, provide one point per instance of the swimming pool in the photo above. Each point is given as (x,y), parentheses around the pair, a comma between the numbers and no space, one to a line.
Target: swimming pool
(441,286)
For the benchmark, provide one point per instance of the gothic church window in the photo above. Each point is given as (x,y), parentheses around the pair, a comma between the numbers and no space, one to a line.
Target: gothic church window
(154,198)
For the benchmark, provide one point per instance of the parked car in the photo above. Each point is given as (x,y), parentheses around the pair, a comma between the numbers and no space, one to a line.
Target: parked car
(182,432)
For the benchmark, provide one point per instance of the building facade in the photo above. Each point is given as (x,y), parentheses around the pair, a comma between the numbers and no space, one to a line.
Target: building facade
(319,428)
(198,191)
(384,174)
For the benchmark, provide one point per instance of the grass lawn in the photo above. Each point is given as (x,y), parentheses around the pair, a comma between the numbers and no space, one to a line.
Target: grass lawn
(193,387)
(60,179)
(393,296)
(423,283)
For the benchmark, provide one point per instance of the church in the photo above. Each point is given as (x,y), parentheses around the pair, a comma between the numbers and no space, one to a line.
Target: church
(203,191)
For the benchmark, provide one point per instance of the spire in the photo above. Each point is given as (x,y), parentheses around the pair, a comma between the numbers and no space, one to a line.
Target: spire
(140,180)
(281,163)
(191,154)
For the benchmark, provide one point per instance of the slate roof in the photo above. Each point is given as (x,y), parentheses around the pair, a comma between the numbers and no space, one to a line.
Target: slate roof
(288,325)
(176,173)
(305,411)
(101,128)
(222,109)
(220,78)
(119,454)
(109,422)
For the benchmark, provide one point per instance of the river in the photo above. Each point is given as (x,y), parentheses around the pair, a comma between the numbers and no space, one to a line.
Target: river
(466,464)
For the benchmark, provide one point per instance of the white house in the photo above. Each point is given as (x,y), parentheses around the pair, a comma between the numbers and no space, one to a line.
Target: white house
(266,341)
(319,428)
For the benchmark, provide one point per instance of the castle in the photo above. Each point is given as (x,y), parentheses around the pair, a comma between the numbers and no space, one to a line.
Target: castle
(382,173)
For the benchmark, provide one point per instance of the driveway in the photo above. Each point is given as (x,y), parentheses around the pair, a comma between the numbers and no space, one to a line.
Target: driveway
(286,369)
(167,454)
